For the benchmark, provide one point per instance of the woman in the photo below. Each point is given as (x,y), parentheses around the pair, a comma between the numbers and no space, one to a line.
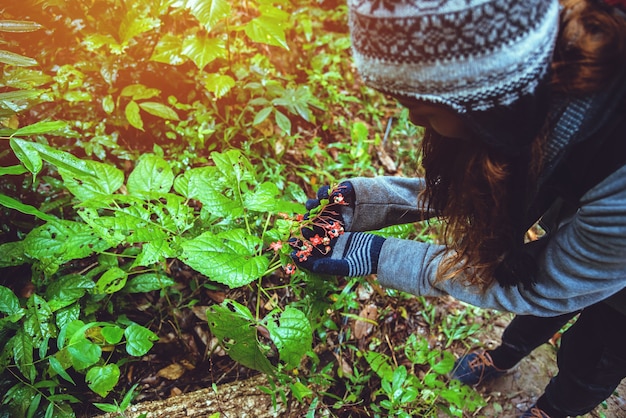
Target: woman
(524,105)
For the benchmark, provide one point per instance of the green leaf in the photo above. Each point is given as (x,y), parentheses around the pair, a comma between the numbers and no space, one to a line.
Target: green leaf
(9,303)
(282,121)
(42,127)
(83,353)
(148,282)
(60,241)
(203,50)
(19,26)
(267,30)
(132,25)
(445,365)
(152,174)
(27,155)
(262,115)
(263,198)
(132,115)
(160,110)
(18,60)
(292,334)
(61,159)
(229,257)
(169,50)
(14,170)
(218,84)
(11,203)
(22,345)
(38,319)
(233,166)
(209,12)
(139,340)
(112,281)
(380,363)
(139,92)
(112,334)
(105,181)
(67,289)
(102,379)
(233,324)
(108,105)
(55,365)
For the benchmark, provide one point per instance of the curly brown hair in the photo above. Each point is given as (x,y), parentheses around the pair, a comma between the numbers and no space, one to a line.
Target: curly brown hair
(472,185)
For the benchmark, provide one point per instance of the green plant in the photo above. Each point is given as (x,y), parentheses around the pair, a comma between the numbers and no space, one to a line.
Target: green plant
(406,395)
(132,226)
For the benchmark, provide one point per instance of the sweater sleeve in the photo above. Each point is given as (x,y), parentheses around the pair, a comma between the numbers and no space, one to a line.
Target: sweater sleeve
(584,262)
(384,201)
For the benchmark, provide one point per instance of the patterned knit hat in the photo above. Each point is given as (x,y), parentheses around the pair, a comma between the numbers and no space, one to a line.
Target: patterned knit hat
(471,55)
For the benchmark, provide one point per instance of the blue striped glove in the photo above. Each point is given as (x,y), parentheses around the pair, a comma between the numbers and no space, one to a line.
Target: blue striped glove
(351,254)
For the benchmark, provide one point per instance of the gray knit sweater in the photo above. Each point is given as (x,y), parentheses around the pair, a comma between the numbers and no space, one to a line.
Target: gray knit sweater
(583,263)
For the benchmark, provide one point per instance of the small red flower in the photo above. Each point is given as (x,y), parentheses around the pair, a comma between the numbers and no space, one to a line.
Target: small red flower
(335,229)
(339,198)
(276,246)
(299,217)
(289,269)
(317,240)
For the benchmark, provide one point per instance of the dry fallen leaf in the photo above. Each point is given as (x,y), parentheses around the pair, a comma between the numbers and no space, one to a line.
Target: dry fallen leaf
(172,372)
(362,328)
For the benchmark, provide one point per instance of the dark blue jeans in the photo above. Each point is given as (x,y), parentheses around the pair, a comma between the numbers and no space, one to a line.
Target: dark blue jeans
(591,358)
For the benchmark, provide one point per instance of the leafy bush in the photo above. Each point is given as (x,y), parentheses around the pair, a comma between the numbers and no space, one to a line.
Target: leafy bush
(139,134)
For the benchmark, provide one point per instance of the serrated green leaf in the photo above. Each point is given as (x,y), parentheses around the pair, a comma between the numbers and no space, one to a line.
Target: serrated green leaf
(169,50)
(233,166)
(267,30)
(139,340)
(11,58)
(19,26)
(152,252)
(67,289)
(159,110)
(292,334)
(112,281)
(380,363)
(102,379)
(58,368)
(219,84)
(229,257)
(232,323)
(9,303)
(22,345)
(133,116)
(148,282)
(133,24)
(203,50)
(60,241)
(152,174)
(38,319)
(105,180)
(263,198)
(97,41)
(209,12)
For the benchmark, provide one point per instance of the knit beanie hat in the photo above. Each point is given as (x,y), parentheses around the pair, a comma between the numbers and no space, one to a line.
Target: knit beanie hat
(473,56)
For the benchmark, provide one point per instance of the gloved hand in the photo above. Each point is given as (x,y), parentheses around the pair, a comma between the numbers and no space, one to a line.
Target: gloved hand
(349,254)
(341,195)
